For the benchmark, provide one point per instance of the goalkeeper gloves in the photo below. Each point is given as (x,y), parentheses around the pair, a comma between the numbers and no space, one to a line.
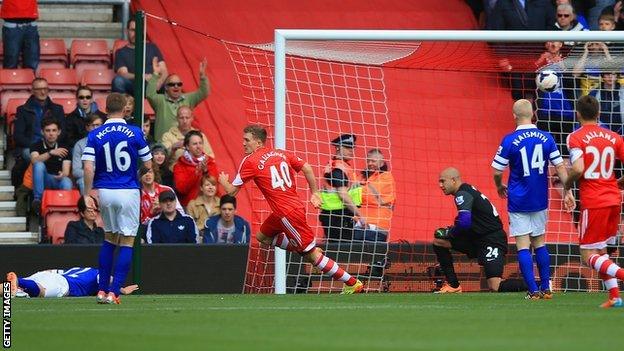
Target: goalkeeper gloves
(443,233)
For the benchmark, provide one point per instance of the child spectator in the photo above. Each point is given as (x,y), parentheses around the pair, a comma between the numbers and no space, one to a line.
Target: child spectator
(206,204)
(610,95)
(162,172)
(85,230)
(227,228)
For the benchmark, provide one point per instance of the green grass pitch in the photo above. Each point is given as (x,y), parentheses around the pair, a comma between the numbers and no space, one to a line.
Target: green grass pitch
(481,321)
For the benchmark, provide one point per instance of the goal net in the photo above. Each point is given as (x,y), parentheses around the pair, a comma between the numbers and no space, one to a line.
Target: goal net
(425,105)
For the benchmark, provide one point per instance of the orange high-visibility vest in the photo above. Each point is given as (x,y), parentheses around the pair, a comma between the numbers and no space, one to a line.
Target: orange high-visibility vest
(378,196)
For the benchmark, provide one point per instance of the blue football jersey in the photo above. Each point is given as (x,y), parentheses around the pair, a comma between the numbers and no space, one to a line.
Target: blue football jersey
(526,152)
(115,147)
(82,281)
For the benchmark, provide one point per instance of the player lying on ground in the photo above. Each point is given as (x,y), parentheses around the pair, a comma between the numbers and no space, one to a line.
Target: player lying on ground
(593,150)
(273,171)
(526,152)
(477,232)
(77,281)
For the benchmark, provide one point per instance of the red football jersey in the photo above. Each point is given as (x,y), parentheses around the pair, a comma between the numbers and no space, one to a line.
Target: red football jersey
(599,147)
(273,171)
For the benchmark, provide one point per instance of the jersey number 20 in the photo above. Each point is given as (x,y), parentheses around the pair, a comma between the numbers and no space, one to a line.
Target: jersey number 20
(537,160)
(604,161)
(122,157)
(281,177)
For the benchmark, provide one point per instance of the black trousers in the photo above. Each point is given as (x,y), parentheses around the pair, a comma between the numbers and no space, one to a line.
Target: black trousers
(337,224)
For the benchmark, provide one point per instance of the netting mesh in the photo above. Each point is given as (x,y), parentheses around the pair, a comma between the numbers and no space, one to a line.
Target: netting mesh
(326,97)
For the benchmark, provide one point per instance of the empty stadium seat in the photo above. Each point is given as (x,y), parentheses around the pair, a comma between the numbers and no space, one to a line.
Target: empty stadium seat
(16,79)
(69,104)
(148,111)
(52,51)
(59,201)
(89,50)
(62,95)
(56,223)
(11,111)
(101,102)
(97,79)
(60,79)
(83,66)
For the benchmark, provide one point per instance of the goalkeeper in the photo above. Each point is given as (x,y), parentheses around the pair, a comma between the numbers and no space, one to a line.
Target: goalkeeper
(477,232)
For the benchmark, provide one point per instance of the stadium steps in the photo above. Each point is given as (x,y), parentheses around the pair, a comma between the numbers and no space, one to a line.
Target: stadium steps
(71,21)
(12,224)
(10,238)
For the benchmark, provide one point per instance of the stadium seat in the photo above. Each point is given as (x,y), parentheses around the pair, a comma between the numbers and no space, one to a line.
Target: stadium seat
(59,201)
(69,104)
(92,50)
(56,223)
(61,95)
(60,79)
(11,111)
(148,111)
(16,79)
(52,51)
(98,79)
(83,66)
(101,102)
(12,95)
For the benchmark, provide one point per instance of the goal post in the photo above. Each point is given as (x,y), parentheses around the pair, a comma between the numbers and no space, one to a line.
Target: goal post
(282,37)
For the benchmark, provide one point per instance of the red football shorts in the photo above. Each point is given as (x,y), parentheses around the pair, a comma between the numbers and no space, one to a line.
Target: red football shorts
(598,226)
(294,226)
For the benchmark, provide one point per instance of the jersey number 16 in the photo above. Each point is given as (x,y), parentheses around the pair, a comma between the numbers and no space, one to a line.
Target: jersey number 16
(122,157)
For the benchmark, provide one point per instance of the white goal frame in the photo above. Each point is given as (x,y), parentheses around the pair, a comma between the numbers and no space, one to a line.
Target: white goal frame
(283,35)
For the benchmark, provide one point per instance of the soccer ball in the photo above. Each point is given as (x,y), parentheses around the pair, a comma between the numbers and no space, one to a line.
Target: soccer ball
(547,81)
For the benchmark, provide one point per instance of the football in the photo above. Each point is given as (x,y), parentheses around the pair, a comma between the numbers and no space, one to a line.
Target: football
(547,81)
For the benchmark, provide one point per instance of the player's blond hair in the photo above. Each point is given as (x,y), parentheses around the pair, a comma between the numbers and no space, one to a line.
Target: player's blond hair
(523,109)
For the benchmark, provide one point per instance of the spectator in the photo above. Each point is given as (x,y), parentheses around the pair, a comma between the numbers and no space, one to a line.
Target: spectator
(587,68)
(75,122)
(566,21)
(173,139)
(378,195)
(29,116)
(341,193)
(191,167)
(150,190)
(610,95)
(594,12)
(128,113)
(166,105)
(577,10)
(20,36)
(606,22)
(171,226)
(124,62)
(618,14)
(92,122)
(551,55)
(227,227)
(51,163)
(162,173)
(521,15)
(206,204)
(85,230)
(147,129)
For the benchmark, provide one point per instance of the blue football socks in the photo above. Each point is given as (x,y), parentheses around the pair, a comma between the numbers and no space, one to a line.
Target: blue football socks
(526,267)
(542,258)
(106,265)
(29,287)
(122,267)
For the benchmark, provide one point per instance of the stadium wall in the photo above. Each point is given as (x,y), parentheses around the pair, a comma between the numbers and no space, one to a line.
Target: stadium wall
(427,121)
(165,269)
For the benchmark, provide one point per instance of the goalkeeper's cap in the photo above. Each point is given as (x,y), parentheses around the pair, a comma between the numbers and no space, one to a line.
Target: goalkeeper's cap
(346,140)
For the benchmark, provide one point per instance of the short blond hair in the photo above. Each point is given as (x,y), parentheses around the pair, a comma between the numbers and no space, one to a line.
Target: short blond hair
(523,109)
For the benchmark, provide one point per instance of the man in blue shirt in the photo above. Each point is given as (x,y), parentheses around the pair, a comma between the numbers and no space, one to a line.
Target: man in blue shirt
(75,282)
(110,165)
(527,152)
(171,226)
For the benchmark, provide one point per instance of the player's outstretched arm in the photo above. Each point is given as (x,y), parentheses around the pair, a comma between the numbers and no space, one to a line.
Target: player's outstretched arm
(498,181)
(127,290)
(315,198)
(224,180)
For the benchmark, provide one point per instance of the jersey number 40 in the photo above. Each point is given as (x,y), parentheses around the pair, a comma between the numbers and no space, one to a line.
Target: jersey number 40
(281,179)
(121,156)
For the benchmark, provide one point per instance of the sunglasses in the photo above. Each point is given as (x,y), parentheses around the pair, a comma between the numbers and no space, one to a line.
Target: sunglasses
(41,89)
(84,97)
(565,15)
(174,84)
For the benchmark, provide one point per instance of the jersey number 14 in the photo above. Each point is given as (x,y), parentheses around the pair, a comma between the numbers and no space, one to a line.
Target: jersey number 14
(121,156)
(537,160)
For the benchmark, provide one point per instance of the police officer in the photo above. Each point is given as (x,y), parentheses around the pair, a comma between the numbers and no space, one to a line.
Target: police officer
(341,192)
